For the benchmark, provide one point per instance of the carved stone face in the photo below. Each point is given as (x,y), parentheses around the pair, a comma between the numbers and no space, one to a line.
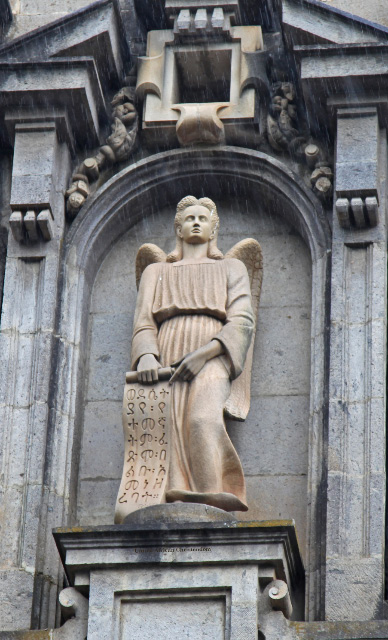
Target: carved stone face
(76,200)
(196,225)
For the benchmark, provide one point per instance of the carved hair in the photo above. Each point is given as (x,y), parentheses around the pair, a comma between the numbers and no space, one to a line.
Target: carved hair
(189,201)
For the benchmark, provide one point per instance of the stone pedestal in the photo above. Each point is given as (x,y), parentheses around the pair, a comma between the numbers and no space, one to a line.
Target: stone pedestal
(191,571)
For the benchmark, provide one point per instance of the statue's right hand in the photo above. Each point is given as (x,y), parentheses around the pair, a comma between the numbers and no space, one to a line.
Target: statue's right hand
(147,369)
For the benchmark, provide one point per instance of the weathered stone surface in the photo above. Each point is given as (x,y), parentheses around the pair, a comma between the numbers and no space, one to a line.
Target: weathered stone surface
(375,11)
(279,497)
(34,13)
(355,524)
(274,440)
(190,619)
(281,424)
(311,23)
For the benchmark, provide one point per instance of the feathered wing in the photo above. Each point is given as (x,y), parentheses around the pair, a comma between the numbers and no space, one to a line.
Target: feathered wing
(147,254)
(249,252)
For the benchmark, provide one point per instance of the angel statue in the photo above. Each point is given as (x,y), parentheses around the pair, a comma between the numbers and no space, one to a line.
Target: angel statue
(196,313)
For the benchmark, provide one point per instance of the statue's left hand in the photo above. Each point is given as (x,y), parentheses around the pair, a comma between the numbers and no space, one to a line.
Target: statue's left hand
(192,364)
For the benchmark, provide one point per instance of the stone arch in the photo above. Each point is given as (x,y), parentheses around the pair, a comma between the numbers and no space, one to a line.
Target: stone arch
(135,192)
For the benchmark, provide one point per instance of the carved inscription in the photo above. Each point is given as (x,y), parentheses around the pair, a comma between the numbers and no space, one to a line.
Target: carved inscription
(146,435)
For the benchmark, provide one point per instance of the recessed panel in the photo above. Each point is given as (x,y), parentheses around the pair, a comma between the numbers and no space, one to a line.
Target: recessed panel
(191,619)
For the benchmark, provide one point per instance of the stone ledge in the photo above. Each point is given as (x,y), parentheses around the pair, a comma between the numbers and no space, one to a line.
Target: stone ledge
(341,630)
(81,547)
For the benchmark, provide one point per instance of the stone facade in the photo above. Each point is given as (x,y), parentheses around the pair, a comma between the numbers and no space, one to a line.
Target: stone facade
(278,112)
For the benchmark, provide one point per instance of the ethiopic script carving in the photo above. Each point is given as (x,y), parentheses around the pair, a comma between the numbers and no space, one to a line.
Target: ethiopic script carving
(146,425)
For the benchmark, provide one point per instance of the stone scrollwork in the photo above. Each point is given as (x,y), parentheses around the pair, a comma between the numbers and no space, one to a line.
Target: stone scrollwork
(284,133)
(118,147)
(279,597)
(75,607)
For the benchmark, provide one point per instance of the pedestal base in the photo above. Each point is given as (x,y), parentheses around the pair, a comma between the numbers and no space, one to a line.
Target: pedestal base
(188,573)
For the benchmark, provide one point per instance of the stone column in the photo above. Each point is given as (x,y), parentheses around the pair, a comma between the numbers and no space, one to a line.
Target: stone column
(357,416)
(30,502)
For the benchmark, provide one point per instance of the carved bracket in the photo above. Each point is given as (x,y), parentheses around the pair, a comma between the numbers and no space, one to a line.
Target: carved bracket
(31,225)
(357,212)
(357,165)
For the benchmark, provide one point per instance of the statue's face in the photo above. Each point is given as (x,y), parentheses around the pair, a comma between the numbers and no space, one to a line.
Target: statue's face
(196,225)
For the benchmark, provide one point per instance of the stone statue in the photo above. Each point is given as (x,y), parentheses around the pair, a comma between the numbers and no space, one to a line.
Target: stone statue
(196,313)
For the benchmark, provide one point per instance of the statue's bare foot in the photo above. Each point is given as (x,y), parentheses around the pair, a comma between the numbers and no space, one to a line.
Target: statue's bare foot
(225,501)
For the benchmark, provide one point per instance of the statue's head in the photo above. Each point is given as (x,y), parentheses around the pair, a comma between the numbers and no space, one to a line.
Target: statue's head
(183,205)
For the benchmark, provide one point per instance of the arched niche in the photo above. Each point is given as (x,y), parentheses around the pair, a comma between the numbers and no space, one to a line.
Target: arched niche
(261,197)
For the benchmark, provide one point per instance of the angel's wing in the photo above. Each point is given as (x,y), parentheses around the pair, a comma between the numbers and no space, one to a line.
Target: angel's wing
(147,254)
(249,252)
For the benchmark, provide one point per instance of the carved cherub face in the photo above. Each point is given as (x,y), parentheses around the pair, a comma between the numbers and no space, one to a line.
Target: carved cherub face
(196,226)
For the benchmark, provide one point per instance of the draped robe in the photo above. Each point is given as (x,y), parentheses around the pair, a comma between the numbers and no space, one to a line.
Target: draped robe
(181,307)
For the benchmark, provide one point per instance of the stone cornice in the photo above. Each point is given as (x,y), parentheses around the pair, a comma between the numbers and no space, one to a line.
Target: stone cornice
(317,14)
(72,84)
(97,542)
(65,37)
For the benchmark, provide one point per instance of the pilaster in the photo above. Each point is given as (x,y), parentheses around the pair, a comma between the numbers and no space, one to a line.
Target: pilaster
(41,167)
(356,434)
(52,97)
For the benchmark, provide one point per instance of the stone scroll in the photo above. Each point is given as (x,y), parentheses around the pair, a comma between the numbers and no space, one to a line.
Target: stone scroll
(146,425)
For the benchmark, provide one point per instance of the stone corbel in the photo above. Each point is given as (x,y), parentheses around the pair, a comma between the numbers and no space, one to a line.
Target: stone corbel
(198,17)
(38,137)
(357,194)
